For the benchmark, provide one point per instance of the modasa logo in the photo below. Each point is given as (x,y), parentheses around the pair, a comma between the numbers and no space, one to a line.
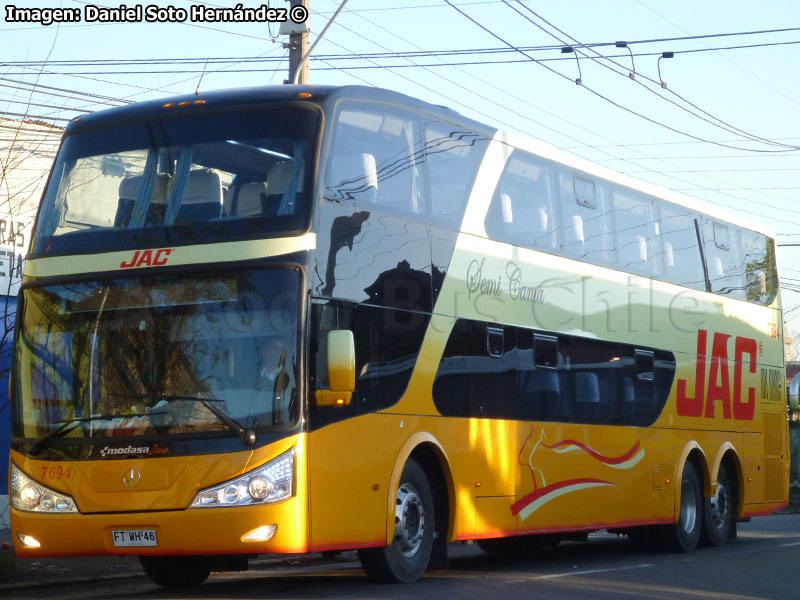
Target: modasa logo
(147,258)
(740,404)
(127,451)
(154,450)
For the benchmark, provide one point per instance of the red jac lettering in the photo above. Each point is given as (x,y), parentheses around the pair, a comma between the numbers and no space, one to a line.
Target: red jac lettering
(146,258)
(718,388)
(131,262)
(693,407)
(719,370)
(162,256)
(744,411)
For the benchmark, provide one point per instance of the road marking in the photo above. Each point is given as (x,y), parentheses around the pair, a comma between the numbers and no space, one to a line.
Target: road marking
(792,544)
(592,571)
(516,578)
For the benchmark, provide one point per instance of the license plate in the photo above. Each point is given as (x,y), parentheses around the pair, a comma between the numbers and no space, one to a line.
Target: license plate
(134,537)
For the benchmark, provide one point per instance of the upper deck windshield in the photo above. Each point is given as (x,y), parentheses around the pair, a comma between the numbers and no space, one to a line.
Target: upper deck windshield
(157,357)
(183,180)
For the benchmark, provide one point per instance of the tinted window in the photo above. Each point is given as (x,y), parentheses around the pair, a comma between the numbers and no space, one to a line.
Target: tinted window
(596,370)
(544,385)
(153,354)
(387,343)
(179,180)
(376,160)
(471,382)
(453,155)
(558,378)
(387,346)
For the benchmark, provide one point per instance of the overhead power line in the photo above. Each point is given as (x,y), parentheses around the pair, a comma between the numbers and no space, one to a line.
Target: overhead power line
(598,94)
(625,72)
(353,56)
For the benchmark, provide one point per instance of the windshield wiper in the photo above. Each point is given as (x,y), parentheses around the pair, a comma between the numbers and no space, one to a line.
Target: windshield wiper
(248,436)
(66,426)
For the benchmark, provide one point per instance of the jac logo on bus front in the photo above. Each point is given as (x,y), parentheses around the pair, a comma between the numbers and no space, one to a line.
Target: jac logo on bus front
(147,258)
(738,404)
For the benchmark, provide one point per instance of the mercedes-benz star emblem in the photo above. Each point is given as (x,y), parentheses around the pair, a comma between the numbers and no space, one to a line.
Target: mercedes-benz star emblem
(132,478)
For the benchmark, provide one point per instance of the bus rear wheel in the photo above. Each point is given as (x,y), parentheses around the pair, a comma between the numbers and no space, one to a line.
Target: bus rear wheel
(684,535)
(407,557)
(719,511)
(177,571)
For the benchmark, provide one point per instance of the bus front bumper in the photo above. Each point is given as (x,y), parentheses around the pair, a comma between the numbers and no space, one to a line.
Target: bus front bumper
(278,528)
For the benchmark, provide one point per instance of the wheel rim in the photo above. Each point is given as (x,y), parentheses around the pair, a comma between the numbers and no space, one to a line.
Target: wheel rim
(688,507)
(409,520)
(718,509)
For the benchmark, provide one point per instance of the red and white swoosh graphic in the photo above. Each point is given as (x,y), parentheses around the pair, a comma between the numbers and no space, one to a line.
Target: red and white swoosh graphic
(626,461)
(540,496)
(526,505)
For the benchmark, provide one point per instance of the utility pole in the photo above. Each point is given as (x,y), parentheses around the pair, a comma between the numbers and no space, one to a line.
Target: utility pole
(298,48)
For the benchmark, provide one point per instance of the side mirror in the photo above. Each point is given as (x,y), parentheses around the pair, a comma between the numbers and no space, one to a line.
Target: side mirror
(341,370)
(794,393)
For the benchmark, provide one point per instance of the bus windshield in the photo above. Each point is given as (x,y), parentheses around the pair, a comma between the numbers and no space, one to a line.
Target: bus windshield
(179,181)
(158,356)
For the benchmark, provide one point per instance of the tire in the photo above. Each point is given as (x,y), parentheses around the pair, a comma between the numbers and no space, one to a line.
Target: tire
(177,571)
(405,560)
(719,511)
(684,535)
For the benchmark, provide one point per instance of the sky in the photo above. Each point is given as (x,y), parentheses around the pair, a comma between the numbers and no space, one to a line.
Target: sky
(718,121)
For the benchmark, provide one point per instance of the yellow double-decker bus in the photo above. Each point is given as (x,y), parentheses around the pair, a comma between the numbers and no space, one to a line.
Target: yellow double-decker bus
(306,319)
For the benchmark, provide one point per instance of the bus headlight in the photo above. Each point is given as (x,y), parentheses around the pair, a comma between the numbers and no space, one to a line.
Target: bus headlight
(27,494)
(269,483)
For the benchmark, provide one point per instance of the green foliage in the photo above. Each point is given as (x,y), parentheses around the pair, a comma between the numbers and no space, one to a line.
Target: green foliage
(761,275)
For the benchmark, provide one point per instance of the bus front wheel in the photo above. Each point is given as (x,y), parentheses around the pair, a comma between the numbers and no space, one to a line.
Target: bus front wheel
(407,557)
(684,535)
(177,571)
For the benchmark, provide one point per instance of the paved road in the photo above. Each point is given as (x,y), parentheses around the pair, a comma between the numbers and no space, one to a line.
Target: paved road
(763,563)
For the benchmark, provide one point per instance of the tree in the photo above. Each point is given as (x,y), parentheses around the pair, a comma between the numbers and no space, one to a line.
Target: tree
(27,148)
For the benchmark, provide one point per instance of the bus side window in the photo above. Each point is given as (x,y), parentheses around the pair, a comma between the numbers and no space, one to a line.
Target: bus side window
(539,386)
(587,225)
(637,242)
(477,376)
(725,270)
(376,160)
(680,253)
(761,277)
(544,385)
(452,155)
(352,177)
(596,369)
(639,386)
(522,210)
